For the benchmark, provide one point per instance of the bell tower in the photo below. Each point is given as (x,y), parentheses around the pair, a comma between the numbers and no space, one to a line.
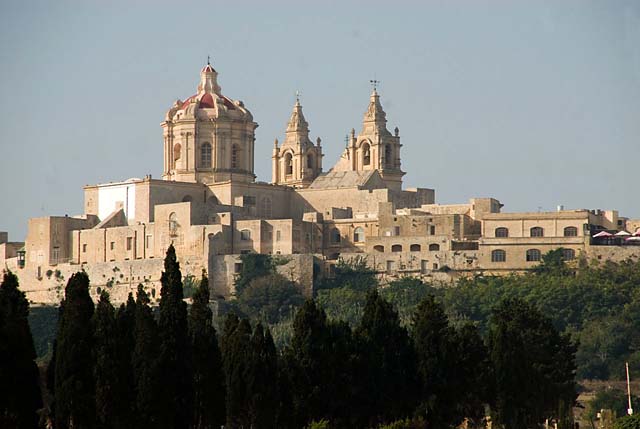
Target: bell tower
(297,162)
(374,148)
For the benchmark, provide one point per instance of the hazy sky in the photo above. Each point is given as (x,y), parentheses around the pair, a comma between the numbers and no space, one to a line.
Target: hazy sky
(536,103)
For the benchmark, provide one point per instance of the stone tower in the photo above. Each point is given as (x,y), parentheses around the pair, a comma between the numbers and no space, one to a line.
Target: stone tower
(375,148)
(208,138)
(297,162)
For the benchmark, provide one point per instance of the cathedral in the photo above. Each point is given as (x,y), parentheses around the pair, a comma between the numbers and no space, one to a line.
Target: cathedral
(209,205)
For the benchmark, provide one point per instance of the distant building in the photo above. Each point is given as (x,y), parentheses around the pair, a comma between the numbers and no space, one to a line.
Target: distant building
(210,207)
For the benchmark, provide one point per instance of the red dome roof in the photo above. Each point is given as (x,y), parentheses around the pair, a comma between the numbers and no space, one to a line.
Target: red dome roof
(206,102)
(208,69)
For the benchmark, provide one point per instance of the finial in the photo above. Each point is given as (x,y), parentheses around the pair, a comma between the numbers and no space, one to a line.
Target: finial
(275,143)
(297,96)
(374,83)
(318,140)
(208,60)
(353,132)
(346,140)
(396,131)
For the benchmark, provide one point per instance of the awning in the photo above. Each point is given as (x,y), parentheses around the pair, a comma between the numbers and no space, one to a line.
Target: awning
(603,234)
(623,234)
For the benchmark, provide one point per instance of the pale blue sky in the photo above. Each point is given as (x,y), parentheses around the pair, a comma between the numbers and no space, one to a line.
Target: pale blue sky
(536,103)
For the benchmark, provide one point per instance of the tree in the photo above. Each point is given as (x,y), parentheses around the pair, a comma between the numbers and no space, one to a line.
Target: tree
(254,265)
(353,274)
(269,298)
(175,354)
(20,396)
(125,334)
(628,422)
(387,363)
(236,348)
(534,366)
(111,388)
(208,378)
(262,371)
(435,347)
(146,370)
(74,378)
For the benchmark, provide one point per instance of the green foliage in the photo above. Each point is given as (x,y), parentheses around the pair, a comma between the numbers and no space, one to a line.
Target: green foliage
(353,274)
(406,293)
(321,424)
(74,376)
(19,379)
(270,298)
(254,265)
(111,386)
(608,399)
(342,304)
(533,363)
(628,422)
(175,350)
(417,423)
(599,305)
(208,386)
(552,263)
(146,370)
(386,364)
(189,285)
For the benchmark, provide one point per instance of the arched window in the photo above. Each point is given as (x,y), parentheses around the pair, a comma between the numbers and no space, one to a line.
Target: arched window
(434,247)
(235,156)
(177,150)
(387,156)
(335,235)
(309,161)
(415,248)
(205,155)
(498,255)
(245,235)
(536,231)
(571,231)
(288,164)
(379,248)
(533,255)
(568,254)
(366,154)
(173,223)
(358,235)
(502,232)
(396,248)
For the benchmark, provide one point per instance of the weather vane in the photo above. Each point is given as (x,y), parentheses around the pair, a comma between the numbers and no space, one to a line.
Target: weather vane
(297,96)
(374,83)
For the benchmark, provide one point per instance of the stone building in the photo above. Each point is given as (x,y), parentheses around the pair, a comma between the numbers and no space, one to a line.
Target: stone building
(209,205)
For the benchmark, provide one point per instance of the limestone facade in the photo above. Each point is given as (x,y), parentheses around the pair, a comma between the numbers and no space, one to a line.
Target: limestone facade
(210,207)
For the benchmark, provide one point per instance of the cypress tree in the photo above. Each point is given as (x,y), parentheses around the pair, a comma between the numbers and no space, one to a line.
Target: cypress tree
(175,356)
(51,369)
(74,381)
(236,352)
(208,379)
(146,374)
(111,384)
(262,371)
(387,364)
(125,328)
(20,395)
(320,367)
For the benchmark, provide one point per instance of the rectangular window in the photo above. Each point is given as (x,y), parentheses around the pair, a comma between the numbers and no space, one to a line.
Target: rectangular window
(129,243)
(84,248)
(112,245)
(432,230)
(396,230)
(148,241)
(237,267)
(424,266)
(435,266)
(55,255)
(391,266)
(278,235)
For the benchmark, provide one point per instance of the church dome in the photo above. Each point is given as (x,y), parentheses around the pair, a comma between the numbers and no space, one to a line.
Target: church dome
(209,102)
